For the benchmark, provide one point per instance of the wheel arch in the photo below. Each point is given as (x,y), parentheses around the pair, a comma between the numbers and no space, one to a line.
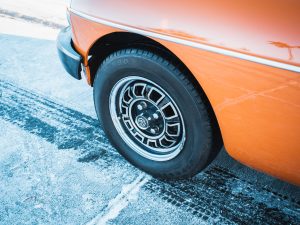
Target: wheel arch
(115,41)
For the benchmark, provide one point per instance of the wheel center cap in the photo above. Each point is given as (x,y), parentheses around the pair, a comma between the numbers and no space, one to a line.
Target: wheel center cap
(142,122)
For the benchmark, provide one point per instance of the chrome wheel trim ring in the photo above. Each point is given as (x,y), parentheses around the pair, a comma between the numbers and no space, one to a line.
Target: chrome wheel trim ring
(116,104)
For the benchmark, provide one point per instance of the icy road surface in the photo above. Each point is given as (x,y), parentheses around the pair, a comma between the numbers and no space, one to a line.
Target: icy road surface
(57,166)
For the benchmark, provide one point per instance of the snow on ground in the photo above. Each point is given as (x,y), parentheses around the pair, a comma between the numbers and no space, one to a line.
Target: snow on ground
(25,29)
(57,166)
(50,10)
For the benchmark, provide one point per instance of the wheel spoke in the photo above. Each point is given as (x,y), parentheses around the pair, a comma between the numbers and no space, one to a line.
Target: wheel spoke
(173,130)
(139,89)
(165,142)
(152,143)
(139,137)
(128,124)
(125,111)
(127,97)
(169,111)
(155,95)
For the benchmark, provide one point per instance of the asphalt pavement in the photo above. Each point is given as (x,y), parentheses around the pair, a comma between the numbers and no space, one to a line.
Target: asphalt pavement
(58,167)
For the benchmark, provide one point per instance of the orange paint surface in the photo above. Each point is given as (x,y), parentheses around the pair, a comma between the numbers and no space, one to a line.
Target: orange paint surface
(257,106)
(265,28)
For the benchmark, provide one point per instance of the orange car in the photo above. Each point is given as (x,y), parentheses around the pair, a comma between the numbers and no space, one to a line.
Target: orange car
(175,80)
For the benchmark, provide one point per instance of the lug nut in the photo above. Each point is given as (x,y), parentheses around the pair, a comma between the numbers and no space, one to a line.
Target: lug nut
(155,116)
(154,130)
(142,106)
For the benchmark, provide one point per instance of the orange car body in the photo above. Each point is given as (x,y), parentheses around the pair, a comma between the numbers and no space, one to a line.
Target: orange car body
(245,55)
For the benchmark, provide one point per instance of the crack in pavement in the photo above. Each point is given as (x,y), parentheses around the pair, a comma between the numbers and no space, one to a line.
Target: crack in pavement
(216,195)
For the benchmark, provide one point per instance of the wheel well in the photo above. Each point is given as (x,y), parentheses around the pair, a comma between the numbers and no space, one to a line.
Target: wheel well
(119,40)
(110,43)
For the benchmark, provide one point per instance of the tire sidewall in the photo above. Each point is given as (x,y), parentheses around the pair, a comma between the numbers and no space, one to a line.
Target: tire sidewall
(159,71)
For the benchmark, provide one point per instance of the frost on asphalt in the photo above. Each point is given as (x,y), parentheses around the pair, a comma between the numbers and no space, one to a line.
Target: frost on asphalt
(57,166)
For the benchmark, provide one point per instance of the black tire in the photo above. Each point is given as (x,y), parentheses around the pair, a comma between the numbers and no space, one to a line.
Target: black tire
(202,142)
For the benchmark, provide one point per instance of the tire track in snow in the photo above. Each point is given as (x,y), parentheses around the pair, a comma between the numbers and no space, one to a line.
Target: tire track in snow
(59,125)
(128,194)
(215,196)
(218,196)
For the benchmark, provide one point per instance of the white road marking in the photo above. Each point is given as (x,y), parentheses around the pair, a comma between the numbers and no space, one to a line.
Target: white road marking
(128,194)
